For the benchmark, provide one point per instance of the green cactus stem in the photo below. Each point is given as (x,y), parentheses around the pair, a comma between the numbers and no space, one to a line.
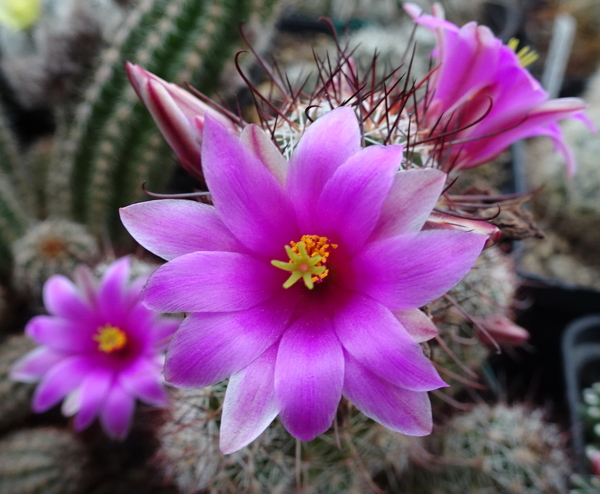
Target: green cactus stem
(41,461)
(15,397)
(112,145)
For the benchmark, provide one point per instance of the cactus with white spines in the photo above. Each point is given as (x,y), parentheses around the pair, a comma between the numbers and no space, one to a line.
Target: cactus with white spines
(497,449)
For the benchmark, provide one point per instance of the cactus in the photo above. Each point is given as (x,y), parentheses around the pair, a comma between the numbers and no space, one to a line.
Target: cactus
(571,207)
(15,397)
(366,451)
(50,247)
(44,64)
(188,454)
(112,145)
(14,215)
(584,484)
(498,449)
(41,461)
(487,291)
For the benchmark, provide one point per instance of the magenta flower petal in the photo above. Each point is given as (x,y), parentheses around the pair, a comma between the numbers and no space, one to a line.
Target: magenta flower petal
(100,345)
(316,158)
(250,404)
(163,332)
(223,343)
(112,291)
(62,298)
(211,282)
(375,338)
(171,228)
(92,393)
(117,412)
(351,201)
(429,264)
(266,151)
(250,200)
(60,335)
(87,284)
(33,366)
(412,196)
(417,324)
(61,379)
(404,411)
(309,374)
(480,86)
(327,257)
(142,380)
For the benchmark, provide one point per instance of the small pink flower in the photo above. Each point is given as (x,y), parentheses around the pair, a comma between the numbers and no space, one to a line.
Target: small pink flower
(100,348)
(303,283)
(178,114)
(475,71)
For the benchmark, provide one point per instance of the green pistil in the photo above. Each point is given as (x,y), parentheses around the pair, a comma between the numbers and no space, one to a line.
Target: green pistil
(301,265)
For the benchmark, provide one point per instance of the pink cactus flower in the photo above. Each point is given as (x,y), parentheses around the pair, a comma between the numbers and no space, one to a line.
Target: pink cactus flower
(100,348)
(177,113)
(480,93)
(303,283)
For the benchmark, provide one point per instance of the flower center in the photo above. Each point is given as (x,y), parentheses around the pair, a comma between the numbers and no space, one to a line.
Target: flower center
(525,55)
(110,339)
(307,260)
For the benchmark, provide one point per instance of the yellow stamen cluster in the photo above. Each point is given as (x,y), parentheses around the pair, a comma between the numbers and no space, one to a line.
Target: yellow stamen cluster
(525,55)
(110,339)
(307,260)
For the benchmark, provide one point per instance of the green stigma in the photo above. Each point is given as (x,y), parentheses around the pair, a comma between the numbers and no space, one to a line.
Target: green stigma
(307,260)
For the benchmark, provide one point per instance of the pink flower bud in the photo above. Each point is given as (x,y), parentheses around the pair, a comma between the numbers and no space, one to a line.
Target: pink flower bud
(503,331)
(178,114)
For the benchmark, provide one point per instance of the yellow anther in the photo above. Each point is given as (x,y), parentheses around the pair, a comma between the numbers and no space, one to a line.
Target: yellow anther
(110,339)
(525,55)
(307,260)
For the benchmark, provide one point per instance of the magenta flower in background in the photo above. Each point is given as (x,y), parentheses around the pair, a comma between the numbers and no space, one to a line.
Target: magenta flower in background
(100,348)
(475,70)
(303,283)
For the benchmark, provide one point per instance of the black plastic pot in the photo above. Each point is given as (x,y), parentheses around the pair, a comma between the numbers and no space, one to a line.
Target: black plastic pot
(581,357)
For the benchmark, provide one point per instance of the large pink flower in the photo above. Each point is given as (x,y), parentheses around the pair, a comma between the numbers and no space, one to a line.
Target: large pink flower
(475,71)
(100,347)
(303,283)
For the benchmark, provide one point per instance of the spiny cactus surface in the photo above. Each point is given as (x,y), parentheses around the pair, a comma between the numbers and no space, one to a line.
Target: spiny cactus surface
(503,449)
(41,461)
(112,144)
(50,247)
(15,397)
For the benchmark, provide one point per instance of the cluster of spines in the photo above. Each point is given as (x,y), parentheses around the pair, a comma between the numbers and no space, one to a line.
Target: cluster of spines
(498,449)
(112,145)
(42,461)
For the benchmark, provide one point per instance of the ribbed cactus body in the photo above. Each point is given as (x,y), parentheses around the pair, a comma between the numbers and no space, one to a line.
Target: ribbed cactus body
(15,397)
(503,449)
(112,145)
(50,247)
(488,290)
(14,195)
(41,461)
